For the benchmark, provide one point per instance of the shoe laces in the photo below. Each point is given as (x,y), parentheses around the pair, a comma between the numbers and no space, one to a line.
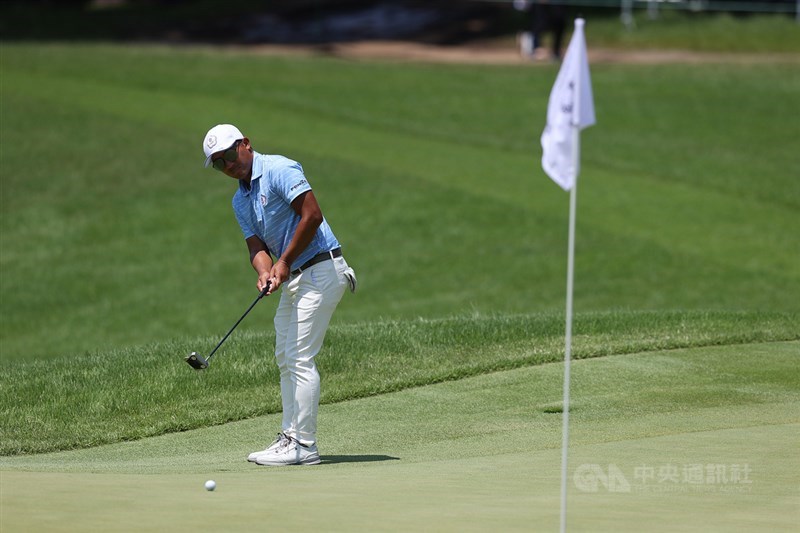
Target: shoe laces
(283,441)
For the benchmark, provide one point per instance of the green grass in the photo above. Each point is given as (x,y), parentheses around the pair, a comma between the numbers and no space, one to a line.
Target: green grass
(478,454)
(129,394)
(429,175)
(698,32)
(119,255)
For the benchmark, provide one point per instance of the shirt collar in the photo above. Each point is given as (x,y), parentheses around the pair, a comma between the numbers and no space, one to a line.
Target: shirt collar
(257,172)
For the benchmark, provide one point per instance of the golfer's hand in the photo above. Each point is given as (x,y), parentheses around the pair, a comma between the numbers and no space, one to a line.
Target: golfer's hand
(278,274)
(263,281)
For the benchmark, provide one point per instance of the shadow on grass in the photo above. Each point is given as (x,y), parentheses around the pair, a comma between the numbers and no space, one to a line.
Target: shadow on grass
(334,459)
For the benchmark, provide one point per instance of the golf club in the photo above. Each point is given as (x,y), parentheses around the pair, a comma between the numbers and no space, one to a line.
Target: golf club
(197,361)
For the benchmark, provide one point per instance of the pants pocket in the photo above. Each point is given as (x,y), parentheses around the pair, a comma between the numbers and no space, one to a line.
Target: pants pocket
(346,274)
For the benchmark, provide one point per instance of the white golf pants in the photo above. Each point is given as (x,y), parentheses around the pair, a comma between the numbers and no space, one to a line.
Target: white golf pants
(304,312)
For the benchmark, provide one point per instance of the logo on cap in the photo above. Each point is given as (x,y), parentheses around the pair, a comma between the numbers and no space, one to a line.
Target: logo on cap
(211,141)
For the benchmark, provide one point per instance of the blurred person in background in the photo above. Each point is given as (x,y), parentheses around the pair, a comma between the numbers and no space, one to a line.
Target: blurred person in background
(543,17)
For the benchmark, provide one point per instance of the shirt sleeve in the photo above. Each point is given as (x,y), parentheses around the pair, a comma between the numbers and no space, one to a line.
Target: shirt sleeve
(291,182)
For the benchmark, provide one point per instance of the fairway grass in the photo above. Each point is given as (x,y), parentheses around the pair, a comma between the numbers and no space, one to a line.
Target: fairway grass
(128,394)
(476,454)
(429,174)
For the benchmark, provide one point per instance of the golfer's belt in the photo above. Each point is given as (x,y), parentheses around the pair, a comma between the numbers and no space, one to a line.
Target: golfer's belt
(319,258)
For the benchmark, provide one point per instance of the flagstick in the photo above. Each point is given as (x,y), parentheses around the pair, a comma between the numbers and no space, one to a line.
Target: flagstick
(568,341)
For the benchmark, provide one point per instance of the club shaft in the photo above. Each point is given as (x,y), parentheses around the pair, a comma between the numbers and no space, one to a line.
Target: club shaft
(252,305)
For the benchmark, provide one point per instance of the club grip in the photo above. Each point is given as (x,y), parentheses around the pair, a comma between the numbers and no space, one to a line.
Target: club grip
(265,290)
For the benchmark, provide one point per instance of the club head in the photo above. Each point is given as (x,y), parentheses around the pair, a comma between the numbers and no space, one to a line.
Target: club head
(196,361)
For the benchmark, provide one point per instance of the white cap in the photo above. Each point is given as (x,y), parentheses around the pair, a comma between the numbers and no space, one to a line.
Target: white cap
(220,137)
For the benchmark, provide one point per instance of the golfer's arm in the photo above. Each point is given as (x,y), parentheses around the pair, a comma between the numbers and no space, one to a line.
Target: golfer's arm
(307,207)
(259,255)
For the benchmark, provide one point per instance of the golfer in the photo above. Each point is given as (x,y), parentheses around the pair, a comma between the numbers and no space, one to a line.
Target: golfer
(280,218)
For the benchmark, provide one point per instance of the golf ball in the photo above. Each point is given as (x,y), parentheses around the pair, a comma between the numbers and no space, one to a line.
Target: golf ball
(211,484)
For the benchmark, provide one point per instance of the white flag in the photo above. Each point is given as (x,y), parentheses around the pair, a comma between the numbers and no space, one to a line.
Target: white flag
(571,106)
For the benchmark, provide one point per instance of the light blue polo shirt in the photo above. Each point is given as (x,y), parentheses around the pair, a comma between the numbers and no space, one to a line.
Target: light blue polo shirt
(265,210)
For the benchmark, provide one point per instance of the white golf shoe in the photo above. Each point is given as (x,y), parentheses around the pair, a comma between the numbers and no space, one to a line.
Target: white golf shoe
(269,449)
(290,452)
